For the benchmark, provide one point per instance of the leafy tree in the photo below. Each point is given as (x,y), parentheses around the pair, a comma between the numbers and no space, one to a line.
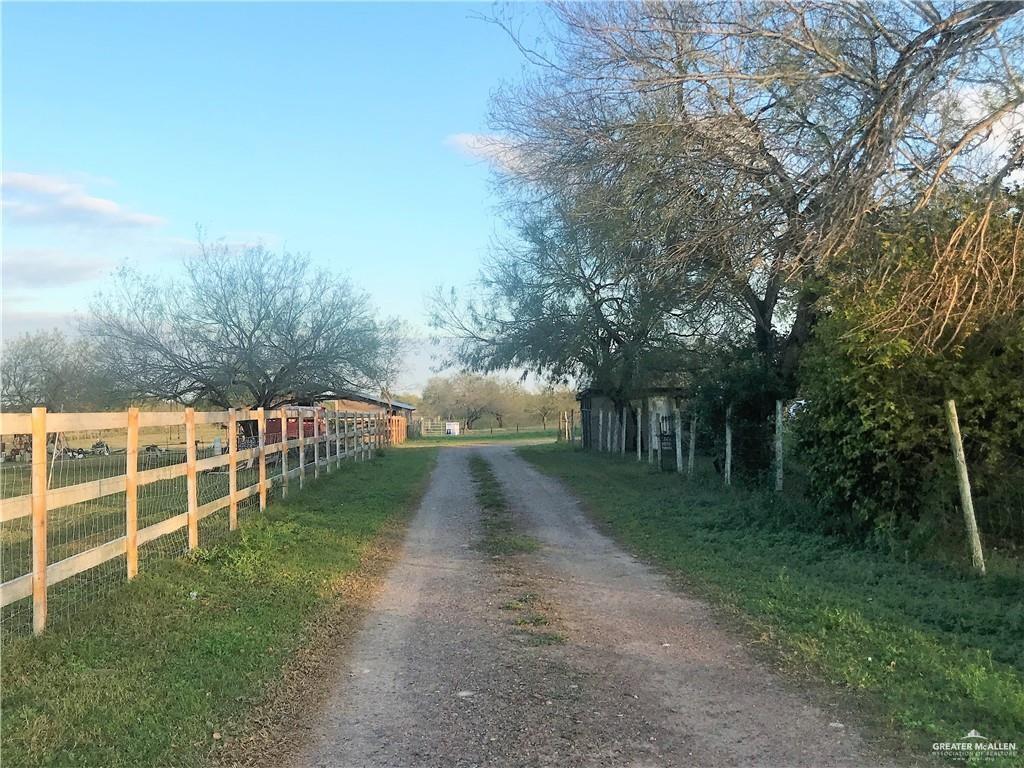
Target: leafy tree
(466,397)
(576,300)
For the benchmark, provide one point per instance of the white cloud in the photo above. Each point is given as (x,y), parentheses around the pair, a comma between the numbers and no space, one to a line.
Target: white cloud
(494,149)
(14,322)
(36,198)
(48,268)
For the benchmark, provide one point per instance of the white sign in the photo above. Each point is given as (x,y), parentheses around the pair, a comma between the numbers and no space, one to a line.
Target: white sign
(451,427)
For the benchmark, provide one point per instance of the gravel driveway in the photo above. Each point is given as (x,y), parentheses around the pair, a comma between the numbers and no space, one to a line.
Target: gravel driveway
(628,672)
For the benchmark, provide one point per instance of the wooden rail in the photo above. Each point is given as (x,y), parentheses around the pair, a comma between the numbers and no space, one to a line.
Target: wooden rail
(353,435)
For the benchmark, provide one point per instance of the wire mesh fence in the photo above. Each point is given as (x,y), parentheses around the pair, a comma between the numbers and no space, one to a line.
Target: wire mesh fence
(88,499)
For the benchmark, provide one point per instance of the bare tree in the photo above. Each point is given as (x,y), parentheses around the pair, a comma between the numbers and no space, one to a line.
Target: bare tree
(549,402)
(936,277)
(247,327)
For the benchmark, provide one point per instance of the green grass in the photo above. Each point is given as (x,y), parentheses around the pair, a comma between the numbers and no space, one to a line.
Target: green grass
(929,649)
(487,436)
(78,527)
(146,675)
(500,536)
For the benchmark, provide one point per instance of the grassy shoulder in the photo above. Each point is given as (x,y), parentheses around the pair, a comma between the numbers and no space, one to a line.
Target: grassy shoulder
(163,670)
(935,651)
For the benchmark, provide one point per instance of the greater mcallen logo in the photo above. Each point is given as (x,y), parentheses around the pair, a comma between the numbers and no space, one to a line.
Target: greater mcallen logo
(973,743)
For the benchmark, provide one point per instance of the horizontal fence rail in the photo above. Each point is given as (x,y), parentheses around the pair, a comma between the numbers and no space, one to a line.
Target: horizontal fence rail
(136,497)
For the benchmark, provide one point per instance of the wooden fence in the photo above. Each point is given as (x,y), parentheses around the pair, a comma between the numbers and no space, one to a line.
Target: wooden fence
(323,438)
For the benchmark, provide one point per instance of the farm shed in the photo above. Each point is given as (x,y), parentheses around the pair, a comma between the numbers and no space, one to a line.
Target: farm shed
(399,414)
(602,418)
(355,401)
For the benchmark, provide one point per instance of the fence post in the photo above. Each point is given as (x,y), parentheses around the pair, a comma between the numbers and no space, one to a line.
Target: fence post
(316,445)
(302,449)
(679,439)
(973,540)
(232,469)
(38,520)
(778,445)
(326,437)
(284,453)
(572,426)
(131,495)
(338,426)
(344,436)
(600,429)
(728,445)
(639,430)
(650,431)
(621,422)
(657,422)
(693,444)
(261,429)
(191,479)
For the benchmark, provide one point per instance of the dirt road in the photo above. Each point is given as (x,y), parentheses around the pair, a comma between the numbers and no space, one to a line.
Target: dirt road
(573,655)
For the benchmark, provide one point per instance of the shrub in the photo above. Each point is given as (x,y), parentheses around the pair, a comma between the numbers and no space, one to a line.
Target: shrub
(874,439)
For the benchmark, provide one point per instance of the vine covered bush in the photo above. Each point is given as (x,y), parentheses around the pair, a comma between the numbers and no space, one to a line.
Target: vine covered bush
(873,437)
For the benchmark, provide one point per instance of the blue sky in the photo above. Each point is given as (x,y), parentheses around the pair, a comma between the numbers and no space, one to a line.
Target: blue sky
(344,130)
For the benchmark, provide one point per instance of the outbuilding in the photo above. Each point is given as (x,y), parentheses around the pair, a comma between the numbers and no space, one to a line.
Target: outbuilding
(617,427)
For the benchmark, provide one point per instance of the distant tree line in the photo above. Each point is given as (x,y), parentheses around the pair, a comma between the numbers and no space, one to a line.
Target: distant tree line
(479,401)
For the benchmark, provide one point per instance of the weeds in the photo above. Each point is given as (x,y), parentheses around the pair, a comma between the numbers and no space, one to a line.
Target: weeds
(500,536)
